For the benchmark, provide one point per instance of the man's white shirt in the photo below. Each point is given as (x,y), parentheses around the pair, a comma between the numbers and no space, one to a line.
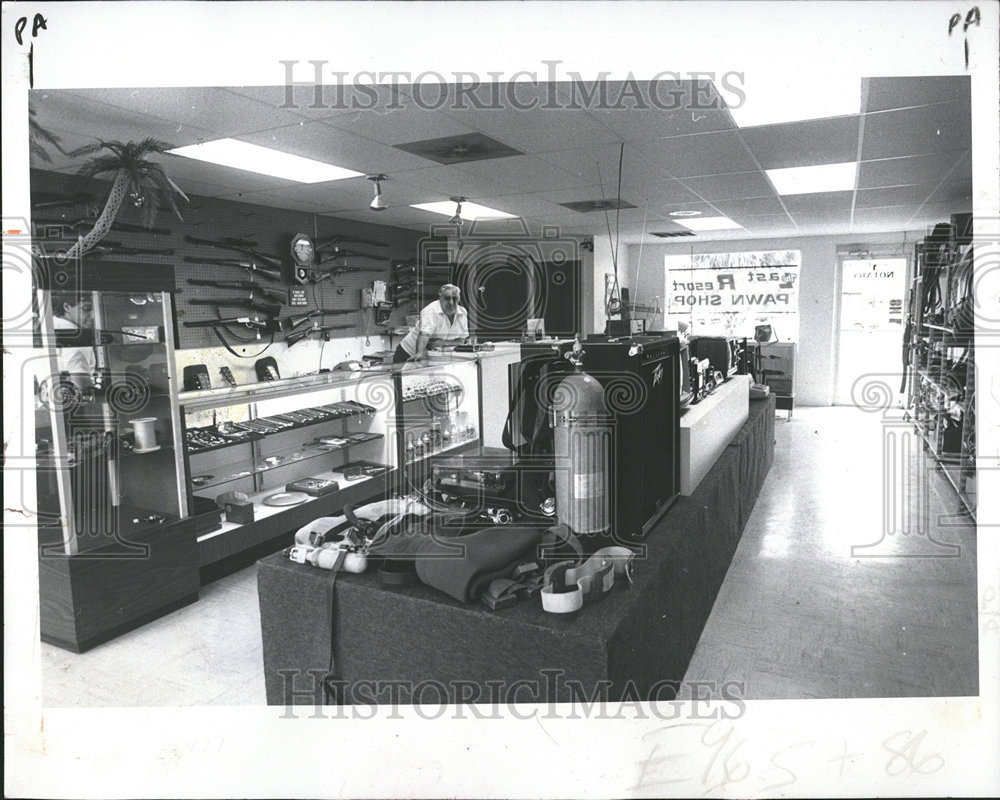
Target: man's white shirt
(434,322)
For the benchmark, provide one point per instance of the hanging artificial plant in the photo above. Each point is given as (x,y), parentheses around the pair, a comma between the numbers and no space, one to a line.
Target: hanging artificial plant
(143,181)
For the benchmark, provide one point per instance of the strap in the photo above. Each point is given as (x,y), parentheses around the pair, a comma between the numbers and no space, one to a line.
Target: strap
(218,335)
(330,679)
(569,588)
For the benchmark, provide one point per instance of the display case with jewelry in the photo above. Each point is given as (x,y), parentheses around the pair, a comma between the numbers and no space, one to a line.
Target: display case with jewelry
(272,452)
(439,412)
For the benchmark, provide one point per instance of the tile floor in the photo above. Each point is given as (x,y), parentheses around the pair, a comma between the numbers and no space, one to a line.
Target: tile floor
(799,615)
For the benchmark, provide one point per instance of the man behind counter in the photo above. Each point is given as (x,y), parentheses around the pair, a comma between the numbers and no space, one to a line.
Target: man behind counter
(442,320)
(74,313)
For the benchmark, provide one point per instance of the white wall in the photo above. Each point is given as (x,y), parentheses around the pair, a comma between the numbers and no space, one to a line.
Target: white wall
(819,295)
(604,265)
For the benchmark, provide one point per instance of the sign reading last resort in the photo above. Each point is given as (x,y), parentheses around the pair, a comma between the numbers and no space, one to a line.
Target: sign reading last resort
(741,289)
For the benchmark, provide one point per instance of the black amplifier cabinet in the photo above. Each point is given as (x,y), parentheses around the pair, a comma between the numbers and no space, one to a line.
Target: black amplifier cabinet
(685,392)
(641,380)
(723,352)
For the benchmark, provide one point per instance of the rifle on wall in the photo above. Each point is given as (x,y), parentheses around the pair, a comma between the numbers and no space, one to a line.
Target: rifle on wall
(277,295)
(295,338)
(329,274)
(251,302)
(251,266)
(121,227)
(335,240)
(243,246)
(255,324)
(291,323)
(118,249)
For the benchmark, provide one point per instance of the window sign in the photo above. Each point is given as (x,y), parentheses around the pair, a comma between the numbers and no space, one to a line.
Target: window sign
(732,293)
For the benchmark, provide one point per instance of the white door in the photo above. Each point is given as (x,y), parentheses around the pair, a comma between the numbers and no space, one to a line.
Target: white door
(871,329)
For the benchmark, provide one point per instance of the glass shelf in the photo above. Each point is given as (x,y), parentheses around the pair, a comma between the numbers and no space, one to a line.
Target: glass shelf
(262,511)
(287,456)
(253,436)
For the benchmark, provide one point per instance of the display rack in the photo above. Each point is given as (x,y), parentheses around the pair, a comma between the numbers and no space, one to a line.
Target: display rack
(116,529)
(259,438)
(941,358)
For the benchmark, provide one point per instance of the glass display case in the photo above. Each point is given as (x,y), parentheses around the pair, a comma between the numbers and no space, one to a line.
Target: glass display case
(439,412)
(106,419)
(311,443)
(439,409)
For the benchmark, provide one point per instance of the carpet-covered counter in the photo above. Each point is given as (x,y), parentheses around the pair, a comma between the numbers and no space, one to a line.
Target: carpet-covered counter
(397,644)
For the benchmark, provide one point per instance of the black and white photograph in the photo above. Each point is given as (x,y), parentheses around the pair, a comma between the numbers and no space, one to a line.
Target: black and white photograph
(494,399)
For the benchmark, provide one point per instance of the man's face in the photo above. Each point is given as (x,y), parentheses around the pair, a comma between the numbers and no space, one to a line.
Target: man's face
(449,301)
(82,314)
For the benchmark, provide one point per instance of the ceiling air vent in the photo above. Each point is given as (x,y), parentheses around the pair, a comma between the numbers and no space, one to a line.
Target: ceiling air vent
(603,204)
(671,234)
(459,149)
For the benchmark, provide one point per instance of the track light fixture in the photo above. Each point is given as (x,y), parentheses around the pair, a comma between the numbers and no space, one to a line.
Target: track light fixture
(457,219)
(378,202)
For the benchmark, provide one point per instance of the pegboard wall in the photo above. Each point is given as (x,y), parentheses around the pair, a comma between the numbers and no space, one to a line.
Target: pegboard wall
(271,228)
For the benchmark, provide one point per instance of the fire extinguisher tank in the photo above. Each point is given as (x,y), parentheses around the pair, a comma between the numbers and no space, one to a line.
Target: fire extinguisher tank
(582,427)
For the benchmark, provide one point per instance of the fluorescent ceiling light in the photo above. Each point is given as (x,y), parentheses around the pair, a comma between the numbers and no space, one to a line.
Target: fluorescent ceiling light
(470,211)
(820,178)
(689,213)
(768,102)
(264,161)
(709,224)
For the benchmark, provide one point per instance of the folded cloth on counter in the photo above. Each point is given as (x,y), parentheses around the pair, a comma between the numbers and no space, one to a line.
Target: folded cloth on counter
(464,566)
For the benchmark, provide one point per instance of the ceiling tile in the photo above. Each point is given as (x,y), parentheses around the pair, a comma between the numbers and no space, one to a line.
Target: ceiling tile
(818,203)
(319,141)
(913,169)
(525,205)
(702,154)
(894,195)
(524,173)
(448,181)
(886,215)
(902,92)
(734,186)
(399,125)
(332,101)
(800,144)
(916,131)
(664,209)
(216,110)
(655,109)
(767,223)
(752,206)
(86,120)
(824,222)
(533,119)
(952,191)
